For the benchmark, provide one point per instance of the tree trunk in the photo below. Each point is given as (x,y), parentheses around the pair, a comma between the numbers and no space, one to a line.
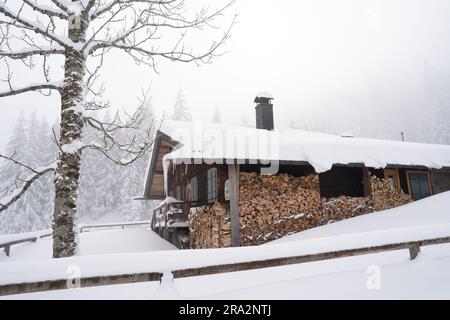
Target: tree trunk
(68,171)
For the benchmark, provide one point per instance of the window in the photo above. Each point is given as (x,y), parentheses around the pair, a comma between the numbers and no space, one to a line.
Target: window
(212,184)
(178,193)
(419,184)
(194,189)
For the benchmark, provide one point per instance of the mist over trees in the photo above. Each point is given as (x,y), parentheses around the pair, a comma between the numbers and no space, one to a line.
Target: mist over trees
(106,190)
(423,120)
(30,143)
(180,110)
(217,118)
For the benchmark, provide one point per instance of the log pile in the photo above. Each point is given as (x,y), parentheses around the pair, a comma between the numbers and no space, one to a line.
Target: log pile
(210,227)
(275,206)
(385,196)
(335,209)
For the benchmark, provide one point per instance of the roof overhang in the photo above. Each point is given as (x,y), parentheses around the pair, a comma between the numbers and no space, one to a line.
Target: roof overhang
(160,139)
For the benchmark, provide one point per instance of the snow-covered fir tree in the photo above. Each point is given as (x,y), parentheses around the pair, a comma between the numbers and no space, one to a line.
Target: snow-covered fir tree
(180,108)
(31,144)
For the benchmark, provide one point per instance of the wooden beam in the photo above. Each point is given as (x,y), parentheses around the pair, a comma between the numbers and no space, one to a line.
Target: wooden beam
(366,182)
(233,177)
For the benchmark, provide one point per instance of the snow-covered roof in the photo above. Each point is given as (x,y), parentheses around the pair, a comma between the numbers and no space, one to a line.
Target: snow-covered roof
(213,143)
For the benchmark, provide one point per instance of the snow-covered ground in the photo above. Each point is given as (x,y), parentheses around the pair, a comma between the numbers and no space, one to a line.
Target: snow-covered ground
(91,243)
(388,275)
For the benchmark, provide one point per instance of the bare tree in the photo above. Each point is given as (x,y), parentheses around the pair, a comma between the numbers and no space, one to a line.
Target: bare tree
(146,30)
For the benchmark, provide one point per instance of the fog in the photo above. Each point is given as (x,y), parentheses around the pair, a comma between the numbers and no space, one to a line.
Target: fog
(371,67)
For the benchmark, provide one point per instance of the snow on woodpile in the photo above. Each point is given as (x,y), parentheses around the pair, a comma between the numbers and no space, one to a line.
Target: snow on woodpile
(212,142)
(434,210)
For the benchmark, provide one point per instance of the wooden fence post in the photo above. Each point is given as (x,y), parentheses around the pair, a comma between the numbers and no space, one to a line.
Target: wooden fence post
(414,251)
(7,250)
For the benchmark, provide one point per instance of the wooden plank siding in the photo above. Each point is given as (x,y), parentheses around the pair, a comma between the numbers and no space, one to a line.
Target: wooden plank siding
(180,175)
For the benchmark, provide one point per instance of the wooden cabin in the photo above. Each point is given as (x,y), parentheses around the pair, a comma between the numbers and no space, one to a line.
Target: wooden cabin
(218,180)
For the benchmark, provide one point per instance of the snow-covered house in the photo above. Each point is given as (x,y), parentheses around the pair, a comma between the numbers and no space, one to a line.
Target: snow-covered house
(245,186)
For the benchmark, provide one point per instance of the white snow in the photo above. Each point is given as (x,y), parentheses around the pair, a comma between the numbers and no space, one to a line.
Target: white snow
(74,8)
(425,277)
(91,243)
(264,94)
(73,146)
(168,200)
(347,134)
(213,143)
(13,237)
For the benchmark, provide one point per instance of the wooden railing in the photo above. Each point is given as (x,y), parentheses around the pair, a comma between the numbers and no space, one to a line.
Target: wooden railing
(7,245)
(413,247)
(112,225)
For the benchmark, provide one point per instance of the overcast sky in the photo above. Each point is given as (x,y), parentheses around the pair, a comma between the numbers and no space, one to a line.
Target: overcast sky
(317,57)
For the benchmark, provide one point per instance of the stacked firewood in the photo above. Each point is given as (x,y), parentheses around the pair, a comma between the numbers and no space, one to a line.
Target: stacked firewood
(385,196)
(210,227)
(335,209)
(272,206)
(275,206)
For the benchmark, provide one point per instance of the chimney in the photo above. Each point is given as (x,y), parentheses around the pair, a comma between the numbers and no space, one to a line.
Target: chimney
(264,111)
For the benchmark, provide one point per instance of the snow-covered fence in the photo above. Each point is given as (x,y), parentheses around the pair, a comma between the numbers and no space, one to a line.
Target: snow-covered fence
(7,245)
(113,225)
(33,236)
(208,269)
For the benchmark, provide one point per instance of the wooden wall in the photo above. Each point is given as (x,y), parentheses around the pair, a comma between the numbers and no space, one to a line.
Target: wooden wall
(440,180)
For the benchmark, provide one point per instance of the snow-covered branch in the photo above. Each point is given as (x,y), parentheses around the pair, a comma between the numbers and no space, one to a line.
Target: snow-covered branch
(63,5)
(23,23)
(108,7)
(145,28)
(33,87)
(10,199)
(114,142)
(46,10)
(32,51)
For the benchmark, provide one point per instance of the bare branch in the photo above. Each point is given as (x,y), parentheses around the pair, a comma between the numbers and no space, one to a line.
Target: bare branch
(28,52)
(29,88)
(11,158)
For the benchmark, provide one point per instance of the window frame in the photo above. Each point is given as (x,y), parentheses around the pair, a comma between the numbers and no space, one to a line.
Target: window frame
(211,199)
(408,180)
(396,174)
